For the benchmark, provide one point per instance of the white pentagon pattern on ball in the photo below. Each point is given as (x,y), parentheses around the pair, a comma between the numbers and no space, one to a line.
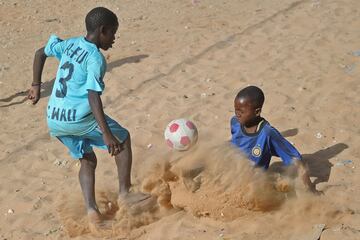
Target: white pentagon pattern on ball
(181,134)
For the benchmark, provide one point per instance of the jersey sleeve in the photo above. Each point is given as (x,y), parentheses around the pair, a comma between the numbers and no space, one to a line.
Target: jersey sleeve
(55,47)
(234,125)
(95,73)
(282,148)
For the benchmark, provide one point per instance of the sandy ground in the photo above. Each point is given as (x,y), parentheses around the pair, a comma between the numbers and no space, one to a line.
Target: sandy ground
(188,59)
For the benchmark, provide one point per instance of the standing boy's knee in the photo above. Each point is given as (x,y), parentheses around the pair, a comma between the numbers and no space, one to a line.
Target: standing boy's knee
(88,163)
(89,159)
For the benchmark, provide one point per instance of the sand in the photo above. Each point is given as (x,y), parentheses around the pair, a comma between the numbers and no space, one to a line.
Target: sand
(175,59)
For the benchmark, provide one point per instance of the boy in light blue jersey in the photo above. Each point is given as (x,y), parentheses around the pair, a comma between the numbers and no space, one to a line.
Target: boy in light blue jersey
(82,68)
(257,139)
(75,113)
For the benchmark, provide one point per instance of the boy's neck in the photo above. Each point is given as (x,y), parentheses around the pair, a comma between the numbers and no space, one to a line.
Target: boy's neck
(253,126)
(90,37)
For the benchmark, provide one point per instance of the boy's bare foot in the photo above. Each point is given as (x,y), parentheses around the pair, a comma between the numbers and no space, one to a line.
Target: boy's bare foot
(137,202)
(133,197)
(97,223)
(192,184)
(95,217)
(192,178)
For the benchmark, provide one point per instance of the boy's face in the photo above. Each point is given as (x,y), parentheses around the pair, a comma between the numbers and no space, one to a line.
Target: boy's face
(107,36)
(245,111)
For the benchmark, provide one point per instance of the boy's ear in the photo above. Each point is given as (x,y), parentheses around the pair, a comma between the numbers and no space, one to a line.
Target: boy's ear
(258,111)
(102,29)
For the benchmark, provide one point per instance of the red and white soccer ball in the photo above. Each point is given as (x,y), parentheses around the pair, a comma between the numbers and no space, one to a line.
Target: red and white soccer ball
(181,134)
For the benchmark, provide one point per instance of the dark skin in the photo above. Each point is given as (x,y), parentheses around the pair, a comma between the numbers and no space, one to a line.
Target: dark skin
(248,115)
(103,37)
(38,66)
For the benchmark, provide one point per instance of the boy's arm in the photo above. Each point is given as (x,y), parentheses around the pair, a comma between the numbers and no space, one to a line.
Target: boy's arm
(113,144)
(38,66)
(304,173)
(289,155)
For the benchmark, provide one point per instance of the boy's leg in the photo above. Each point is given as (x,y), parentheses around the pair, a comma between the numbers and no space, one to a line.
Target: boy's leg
(77,145)
(87,183)
(123,162)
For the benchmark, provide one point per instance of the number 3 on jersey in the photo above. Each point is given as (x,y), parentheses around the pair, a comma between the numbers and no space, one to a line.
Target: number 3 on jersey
(63,88)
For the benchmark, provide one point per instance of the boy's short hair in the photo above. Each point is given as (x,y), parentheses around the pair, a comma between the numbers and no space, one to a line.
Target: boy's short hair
(100,16)
(254,94)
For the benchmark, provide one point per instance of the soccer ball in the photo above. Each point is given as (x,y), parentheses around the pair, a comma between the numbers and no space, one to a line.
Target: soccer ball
(181,134)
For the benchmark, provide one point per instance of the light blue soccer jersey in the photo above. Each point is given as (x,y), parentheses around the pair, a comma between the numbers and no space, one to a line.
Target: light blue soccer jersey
(259,147)
(82,68)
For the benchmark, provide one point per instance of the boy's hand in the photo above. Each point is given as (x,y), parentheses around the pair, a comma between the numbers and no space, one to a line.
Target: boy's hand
(304,172)
(34,94)
(313,189)
(113,144)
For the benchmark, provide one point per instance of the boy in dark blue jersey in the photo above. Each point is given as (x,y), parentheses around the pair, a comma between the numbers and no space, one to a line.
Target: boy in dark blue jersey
(257,139)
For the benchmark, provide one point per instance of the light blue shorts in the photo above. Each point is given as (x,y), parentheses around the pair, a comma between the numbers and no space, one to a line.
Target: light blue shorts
(79,145)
